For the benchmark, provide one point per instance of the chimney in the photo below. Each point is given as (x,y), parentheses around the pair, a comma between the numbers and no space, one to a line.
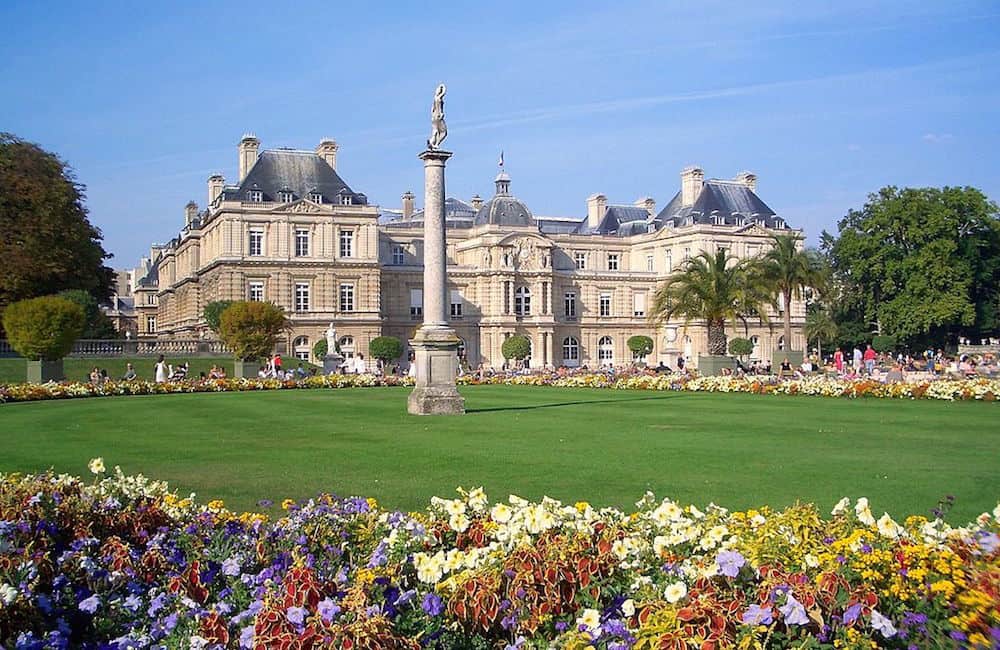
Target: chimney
(692,178)
(597,204)
(249,149)
(190,212)
(476,202)
(215,185)
(647,203)
(327,150)
(407,204)
(748,179)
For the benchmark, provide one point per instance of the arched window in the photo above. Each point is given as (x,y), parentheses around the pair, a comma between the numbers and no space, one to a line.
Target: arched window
(522,301)
(606,351)
(300,348)
(755,354)
(347,347)
(571,352)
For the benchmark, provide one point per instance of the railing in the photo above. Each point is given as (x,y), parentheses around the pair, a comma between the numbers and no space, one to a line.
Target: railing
(94,348)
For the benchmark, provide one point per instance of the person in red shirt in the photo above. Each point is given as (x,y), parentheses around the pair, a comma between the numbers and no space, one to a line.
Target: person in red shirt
(838,361)
(870,359)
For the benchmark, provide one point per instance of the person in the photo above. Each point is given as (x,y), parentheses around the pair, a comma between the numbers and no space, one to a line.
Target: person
(838,361)
(179,373)
(300,372)
(857,358)
(276,363)
(161,370)
(869,359)
(129,373)
(680,363)
(360,367)
(262,372)
(786,368)
(95,376)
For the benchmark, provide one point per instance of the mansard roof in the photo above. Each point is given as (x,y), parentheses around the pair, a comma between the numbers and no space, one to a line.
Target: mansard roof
(729,199)
(301,172)
(617,216)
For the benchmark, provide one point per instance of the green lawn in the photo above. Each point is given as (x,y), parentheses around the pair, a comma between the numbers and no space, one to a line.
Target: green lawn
(14,370)
(599,445)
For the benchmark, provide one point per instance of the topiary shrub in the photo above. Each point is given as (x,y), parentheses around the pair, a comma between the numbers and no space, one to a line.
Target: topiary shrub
(251,329)
(884,343)
(640,345)
(43,328)
(385,348)
(516,347)
(213,313)
(740,347)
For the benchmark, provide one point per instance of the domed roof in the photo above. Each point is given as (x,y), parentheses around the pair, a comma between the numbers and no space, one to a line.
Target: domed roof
(504,209)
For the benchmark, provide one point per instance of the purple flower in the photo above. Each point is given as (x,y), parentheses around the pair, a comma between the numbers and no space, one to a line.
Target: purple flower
(561,626)
(432,605)
(851,613)
(757,615)
(91,604)
(296,615)
(132,603)
(231,567)
(988,542)
(730,563)
(246,637)
(794,612)
(327,609)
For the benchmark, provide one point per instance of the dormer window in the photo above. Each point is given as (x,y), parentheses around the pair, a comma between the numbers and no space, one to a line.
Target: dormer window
(255,196)
(738,219)
(345,199)
(718,219)
(285,196)
(315,197)
(689,221)
(779,223)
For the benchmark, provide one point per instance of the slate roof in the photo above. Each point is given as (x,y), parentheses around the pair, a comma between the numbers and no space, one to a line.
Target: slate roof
(302,172)
(504,210)
(730,199)
(561,225)
(457,214)
(616,216)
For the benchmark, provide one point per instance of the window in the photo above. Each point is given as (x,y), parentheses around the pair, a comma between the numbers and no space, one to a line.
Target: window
(346,297)
(571,351)
(151,324)
(522,301)
(639,304)
(649,263)
(606,351)
(347,243)
(718,219)
(255,291)
(345,199)
(456,304)
(752,250)
(687,253)
(150,299)
(669,262)
(301,242)
(581,260)
(347,347)
(779,223)
(315,197)
(301,296)
(285,196)
(569,304)
(300,348)
(398,256)
(781,343)
(255,196)
(604,305)
(256,246)
(416,304)
(612,261)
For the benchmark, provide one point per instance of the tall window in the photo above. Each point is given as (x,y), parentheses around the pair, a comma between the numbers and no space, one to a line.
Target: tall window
(347,243)
(522,301)
(416,304)
(569,304)
(604,305)
(398,256)
(315,197)
(347,347)
(346,297)
(256,245)
(687,253)
(649,263)
(639,304)
(571,351)
(606,351)
(284,196)
(151,324)
(301,242)
(456,304)
(669,262)
(255,196)
(345,199)
(255,291)
(301,296)
(300,348)
(612,261)
(580,258)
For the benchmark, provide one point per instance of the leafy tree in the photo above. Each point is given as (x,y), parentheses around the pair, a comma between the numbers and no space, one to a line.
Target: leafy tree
(48,244)
(385,348)
(708,288)
(820,327)
(740,346)
(641,346)
(43,328)
(884,343)
(251,329)
(921,264)
(516,347)
(212,313)
(97,325)
(789,271)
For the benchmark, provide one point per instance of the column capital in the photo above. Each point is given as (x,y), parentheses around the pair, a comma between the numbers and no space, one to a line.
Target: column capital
(434,156)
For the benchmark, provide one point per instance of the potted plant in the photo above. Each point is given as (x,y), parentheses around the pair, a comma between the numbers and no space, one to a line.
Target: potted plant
(43,331)
(516,347)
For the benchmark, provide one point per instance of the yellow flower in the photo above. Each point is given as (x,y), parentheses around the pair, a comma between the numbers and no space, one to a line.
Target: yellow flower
(287,503)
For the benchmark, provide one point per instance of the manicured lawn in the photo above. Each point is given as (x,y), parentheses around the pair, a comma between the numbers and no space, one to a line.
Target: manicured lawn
(572,444)
(14,370)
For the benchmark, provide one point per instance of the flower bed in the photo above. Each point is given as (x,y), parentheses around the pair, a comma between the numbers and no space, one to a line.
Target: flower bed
(942,389)
(125,563)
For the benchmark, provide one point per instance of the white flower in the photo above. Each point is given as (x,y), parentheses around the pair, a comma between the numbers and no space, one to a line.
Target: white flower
(841,506)
(863,512)
(889,528)
(197,642)
(811,560)
(590,618)
(96,465)
(666,512)
(429,568)
(477,499)
(455,507)
(501,513)
(996,512)
(8,594)
(628,607)
(660,544)
(459,522)
(675,591)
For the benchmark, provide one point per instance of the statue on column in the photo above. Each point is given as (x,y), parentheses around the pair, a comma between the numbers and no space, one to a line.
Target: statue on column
(439,131)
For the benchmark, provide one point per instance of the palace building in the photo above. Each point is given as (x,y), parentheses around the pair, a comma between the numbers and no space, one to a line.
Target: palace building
(293,232)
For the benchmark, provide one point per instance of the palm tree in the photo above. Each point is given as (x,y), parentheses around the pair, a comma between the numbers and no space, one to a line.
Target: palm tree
(708,288)
(789,270)
(820,326)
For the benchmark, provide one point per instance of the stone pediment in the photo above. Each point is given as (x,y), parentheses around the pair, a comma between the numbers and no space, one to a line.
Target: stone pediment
(302,206)
(753,229)
(525,252)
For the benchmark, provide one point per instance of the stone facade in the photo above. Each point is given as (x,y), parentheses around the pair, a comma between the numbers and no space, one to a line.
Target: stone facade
(292,232)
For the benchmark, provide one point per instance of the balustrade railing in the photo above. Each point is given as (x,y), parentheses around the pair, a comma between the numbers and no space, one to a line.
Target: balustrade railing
(104,348)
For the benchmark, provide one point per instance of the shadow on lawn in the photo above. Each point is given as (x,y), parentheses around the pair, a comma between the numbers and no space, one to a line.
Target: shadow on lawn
(573,403)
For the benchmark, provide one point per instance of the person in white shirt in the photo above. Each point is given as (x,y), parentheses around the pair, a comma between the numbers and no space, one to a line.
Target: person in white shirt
(161,371)
(360,367)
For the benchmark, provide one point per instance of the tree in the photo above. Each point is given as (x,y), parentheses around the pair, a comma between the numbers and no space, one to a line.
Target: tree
(740,347)
(516,347)
(708,288)
(213,313)
(884,343)
(641,346)
(43,328)
(48,244)
(821,327)
(97,325)
(788,271)
(251,329)
(921,264)
(385,348)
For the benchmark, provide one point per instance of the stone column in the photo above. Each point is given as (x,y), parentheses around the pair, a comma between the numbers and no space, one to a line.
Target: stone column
(435,344)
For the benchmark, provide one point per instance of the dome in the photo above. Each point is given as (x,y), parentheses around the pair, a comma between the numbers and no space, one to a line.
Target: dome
(504,210)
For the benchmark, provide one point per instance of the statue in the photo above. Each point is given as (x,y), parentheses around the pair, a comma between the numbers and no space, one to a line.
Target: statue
(439,131)
(331,340)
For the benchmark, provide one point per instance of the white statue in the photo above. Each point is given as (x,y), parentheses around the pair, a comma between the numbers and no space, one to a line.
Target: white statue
(439,131)
(331,340)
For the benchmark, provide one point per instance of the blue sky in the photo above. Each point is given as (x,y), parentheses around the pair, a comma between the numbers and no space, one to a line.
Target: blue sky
(826,102)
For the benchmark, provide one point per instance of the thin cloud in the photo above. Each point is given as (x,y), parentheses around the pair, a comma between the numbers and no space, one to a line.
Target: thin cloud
(937,138)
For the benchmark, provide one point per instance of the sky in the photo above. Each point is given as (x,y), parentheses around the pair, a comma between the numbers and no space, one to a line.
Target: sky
(825,101)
